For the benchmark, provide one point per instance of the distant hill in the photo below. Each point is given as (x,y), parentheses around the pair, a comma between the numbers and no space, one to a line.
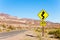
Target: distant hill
(24,22)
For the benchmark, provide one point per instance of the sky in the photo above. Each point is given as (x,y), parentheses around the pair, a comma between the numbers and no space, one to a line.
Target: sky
(30,8)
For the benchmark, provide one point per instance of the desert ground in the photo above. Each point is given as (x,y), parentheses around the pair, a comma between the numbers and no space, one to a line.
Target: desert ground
(28,35)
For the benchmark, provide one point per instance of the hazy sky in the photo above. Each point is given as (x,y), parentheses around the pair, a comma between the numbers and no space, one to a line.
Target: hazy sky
(30,8)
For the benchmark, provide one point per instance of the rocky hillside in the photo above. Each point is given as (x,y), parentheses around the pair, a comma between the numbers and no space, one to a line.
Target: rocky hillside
(24,22)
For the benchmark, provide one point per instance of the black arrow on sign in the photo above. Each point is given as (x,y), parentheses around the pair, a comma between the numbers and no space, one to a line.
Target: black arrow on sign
(42,15)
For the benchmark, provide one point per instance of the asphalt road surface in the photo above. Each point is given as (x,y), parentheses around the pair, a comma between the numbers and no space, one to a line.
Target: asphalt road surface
(10,34)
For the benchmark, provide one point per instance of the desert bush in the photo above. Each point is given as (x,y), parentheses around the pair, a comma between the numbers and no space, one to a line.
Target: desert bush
(11,27)
(0,30)
(4,26)
(37,29)
(8,30)
(56,33)
(51,32)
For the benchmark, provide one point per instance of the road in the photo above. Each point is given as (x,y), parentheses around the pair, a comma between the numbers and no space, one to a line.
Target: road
(10,34)
(21,35)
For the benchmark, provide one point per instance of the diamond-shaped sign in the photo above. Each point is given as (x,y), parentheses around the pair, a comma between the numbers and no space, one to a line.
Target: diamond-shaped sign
(43,15)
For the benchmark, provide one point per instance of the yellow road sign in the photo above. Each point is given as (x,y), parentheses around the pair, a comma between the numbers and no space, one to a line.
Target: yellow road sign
(43,23)
(43,15)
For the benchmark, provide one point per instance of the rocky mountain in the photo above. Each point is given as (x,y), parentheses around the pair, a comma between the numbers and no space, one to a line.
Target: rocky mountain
(24,22)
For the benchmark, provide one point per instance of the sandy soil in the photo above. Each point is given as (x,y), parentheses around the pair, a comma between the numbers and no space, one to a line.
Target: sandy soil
(25,36)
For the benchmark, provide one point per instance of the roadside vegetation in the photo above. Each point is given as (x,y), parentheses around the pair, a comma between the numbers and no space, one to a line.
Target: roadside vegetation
(38,31)
(55,33)
(5,28)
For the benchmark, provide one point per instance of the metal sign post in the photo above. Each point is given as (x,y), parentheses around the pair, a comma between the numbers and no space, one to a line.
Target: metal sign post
(43,24)
(43,15)
(42,31)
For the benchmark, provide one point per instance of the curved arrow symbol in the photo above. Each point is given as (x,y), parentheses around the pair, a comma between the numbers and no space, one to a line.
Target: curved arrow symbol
(42,15)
